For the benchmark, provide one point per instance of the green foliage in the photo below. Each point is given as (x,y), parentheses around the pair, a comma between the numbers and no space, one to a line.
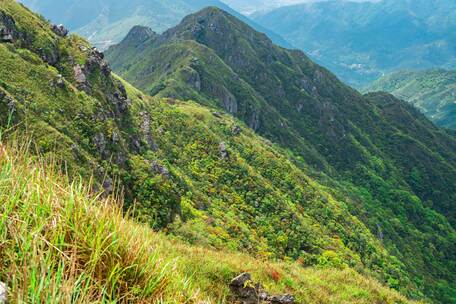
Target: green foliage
(60,244)
(208,179)
(389,165)
(431,91)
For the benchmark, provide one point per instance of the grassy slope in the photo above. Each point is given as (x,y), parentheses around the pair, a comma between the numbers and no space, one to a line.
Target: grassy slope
(247,202)
(60,244)
(392,163)
(431,91)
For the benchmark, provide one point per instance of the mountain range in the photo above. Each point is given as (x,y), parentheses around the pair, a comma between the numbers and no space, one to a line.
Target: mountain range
(220,62)
(361,41)
(106,22)
(240,154)
(433,92)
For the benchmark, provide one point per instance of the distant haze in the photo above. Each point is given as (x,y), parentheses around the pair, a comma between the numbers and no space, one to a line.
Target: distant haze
(251,6)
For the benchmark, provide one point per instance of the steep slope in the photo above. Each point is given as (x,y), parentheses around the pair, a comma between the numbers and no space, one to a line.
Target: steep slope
(361,41)
(120,261)
(433,92)
(202,177)
(399,176)
(106,22)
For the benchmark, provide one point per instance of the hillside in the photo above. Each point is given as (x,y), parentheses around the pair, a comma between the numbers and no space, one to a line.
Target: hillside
(106,22)
(362,41)
(204,178)
(433,92)
(83,250)
(358,145)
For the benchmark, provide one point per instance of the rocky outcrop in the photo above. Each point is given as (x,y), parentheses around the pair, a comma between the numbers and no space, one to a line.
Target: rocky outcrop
(146,132)
(162,170)
(246,291)
(192,78)
(59,30)
(236,130)
(79,75)
(227,99)
(3,293)
(224,154)
(7,28)
(5,35)
(96,61)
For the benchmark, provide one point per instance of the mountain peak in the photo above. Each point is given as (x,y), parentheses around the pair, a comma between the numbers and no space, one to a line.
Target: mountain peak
(138,34)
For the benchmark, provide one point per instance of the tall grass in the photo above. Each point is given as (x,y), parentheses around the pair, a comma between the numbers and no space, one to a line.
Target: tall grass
(62,244)
(59,243)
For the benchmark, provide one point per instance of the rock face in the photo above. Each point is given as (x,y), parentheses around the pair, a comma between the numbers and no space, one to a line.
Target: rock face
(163,171)
(7,28)
(60,30)
(5,35)
(3,293)
(223,150)
(246,291)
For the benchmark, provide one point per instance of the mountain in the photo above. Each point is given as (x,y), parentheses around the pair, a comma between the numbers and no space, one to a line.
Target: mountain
(119,260)
(361,41)
(225,199)
(206,180)
(106,22)
(433,92)
(397,168)
(253,6)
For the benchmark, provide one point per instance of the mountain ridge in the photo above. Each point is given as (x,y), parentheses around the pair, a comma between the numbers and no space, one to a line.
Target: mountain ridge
(360,41)
(431,91)
(107,21)
(193,171)
(326,125)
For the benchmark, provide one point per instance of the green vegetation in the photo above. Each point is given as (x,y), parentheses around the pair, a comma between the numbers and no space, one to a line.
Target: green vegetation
(60,244)
(392,168)
(362,40)
(106,23)
(433,92)
(341,213)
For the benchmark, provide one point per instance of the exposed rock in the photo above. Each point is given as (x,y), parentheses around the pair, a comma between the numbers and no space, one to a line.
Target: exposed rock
(229,102)
(58,82)
(10,103)
(6,35)
(246,291)
(192,78)
(217,114)
(145,130)
(96,61)
(223,150)
(138,34)
(135,144)
(108,185)
(59,30)
(254,121)
(79,75)
(120,101)
(7,28)
(160,169)
(281,299)
(236,130)
(3,293)
(99,142)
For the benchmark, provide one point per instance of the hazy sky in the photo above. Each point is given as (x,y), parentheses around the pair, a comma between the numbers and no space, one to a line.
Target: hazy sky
(250,6)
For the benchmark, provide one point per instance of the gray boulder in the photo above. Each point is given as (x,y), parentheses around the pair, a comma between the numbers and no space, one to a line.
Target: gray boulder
(246,291)
(223,150)
(59,30)
(3,293)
